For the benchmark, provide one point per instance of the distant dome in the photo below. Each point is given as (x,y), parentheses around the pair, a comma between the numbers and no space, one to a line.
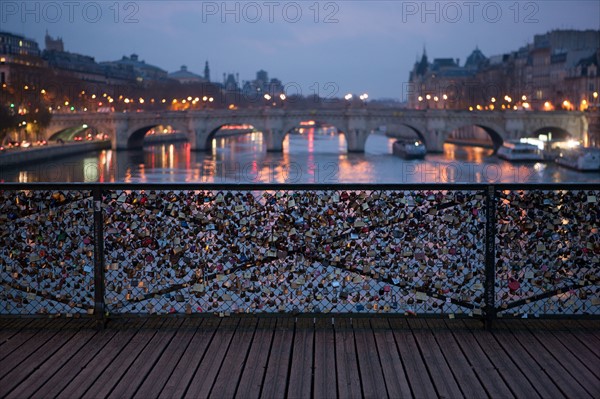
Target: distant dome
(475,59)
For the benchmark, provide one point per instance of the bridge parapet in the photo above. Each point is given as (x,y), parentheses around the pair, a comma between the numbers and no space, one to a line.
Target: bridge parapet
(445,250)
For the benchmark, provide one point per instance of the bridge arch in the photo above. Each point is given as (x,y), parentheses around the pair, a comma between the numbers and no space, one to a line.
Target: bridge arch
(417,131)
(339,125)
(399,129)
(553,133)
(213,130)
(68,133)
(136,135)
(493,131)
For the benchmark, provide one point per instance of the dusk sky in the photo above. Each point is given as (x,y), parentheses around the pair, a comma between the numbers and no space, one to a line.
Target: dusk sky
(343,46)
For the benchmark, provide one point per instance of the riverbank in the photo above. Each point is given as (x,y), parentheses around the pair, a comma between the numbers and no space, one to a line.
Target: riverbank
(37,154)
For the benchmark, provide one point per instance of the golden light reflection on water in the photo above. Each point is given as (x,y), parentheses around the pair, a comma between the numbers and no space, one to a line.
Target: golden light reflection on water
(315,156)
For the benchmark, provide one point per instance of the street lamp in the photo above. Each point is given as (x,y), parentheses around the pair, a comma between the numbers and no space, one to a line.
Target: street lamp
(363,98)
(267,98)
(348,97)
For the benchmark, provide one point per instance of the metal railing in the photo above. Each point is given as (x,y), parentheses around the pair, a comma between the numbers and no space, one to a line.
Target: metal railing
(454,250)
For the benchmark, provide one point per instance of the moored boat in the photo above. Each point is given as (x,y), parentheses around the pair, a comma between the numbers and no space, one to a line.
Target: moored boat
(409,149)
(584,159)
(517,151)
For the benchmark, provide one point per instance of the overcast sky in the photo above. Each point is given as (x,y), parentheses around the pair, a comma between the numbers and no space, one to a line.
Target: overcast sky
(335,47)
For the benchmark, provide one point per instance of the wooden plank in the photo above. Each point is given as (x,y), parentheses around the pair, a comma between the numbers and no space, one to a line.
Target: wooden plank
(569,385)
(459,365)
(487,373)
(532,370)
(103,372)
(40,329)
(276,376)
(325,378)
(580,351)
(256,364)
(416,371)
(592,326)
(371,374)
(20,368)
(144,362)
(348,375)
(25,344)
(6,322)
(10,327)
(391,364)
(301,370)
(160,373)
(515,378)
(60,379)
(185,370)
(569,362)
(41,371)
(584,335)
(435,362)
(212,361)
(231,371)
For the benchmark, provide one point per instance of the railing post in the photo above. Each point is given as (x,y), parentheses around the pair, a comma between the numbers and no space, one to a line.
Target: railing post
(490,256)
(98,258)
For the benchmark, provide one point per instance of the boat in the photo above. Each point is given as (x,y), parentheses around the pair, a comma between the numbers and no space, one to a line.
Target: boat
(515,150)
(409,148)
(550,149)
(585,159)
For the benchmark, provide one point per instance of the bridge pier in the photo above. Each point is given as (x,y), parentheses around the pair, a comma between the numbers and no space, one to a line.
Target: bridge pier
(199,140)
(273,140)
(356,140)
(435,141)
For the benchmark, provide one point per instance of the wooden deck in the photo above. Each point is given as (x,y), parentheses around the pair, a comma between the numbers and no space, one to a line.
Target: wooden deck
(282,357)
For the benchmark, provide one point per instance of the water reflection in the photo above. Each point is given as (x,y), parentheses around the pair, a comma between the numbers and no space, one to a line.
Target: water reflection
(309,156)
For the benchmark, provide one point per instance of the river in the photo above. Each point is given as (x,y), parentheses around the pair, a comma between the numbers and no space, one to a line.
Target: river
(315,156)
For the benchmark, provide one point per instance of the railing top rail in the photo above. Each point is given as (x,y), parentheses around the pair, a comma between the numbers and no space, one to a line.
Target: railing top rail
(299,187)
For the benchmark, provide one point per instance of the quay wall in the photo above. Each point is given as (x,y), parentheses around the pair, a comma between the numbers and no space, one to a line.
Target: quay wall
(37,154)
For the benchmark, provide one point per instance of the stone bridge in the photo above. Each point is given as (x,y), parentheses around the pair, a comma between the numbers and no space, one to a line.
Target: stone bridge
(127,130)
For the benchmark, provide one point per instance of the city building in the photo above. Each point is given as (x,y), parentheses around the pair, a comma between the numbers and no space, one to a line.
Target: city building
(443,83)
(53,44)
(184,76)
(206,72)
(20,59)
(84,68)
(262,85)
(558,70)
(145,74)
(230,82)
